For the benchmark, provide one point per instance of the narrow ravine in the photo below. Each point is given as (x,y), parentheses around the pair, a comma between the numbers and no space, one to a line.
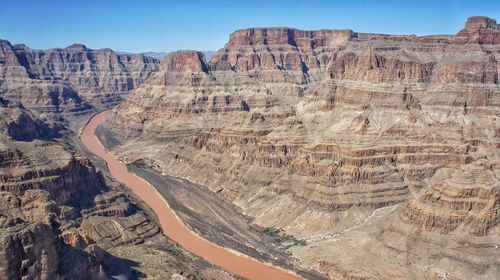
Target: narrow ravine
(170,223)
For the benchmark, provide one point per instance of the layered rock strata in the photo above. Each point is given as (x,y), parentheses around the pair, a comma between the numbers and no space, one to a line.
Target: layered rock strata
(29,247)
(310,131)
(69,80)
(59,216)
(53,204)
(21,124)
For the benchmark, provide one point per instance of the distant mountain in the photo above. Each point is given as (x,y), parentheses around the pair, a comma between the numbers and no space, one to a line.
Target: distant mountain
(157,55)
(121,52)
(209,54)
(160,55)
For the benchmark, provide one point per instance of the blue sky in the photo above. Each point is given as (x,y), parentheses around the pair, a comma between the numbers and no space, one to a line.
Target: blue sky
(133,25)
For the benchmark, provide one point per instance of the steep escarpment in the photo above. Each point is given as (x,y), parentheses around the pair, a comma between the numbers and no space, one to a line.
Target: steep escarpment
(21,124)
(69,80)
(61,218)
(482,30)
(311,131)
(279,54)
(31,165)
(51,199)
(30,248)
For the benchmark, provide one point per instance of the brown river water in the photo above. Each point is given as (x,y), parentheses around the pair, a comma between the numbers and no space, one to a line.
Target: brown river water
(171,225)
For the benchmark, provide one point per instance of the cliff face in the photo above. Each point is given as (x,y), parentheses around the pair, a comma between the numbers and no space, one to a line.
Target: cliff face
(278,49)
(54,204)
(482,30)
(60,218)
(311,131)
(19,123)
(69,80)
(29,247)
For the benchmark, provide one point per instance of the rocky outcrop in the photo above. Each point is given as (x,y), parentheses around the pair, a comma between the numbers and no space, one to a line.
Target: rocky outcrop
(20,124)
(482,30)
(278,49)
(30,165)
(310,131)
(185,61)
(69,80)
(463,200)
(30,249)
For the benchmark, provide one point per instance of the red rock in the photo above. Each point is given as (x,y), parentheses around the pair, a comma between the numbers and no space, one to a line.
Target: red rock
(185,61)
(481,30)
(332,124)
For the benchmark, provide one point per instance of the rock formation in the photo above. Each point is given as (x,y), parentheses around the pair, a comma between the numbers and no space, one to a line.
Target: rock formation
(458,199)
(59,216)
(19,123)
(69,80)
(482,30)
(311,131)
(30,249)
(59,230)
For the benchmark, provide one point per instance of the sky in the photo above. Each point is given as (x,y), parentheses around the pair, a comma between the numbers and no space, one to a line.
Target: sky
(139,26)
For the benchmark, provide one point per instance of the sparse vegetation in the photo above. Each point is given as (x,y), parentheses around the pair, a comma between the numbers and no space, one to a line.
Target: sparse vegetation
(281,238)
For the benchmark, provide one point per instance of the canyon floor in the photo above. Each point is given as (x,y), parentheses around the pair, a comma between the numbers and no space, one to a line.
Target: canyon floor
(158,256)
(214,217)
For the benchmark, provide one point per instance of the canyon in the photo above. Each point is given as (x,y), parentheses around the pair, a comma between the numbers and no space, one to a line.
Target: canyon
(311,131)
(62,217)
(170,222)
(69,81)
(330,153)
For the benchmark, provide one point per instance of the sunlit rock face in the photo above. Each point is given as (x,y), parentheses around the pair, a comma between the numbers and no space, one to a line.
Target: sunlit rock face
(482,30)
(60,217)
(69,80)
(56,211)
(310,131)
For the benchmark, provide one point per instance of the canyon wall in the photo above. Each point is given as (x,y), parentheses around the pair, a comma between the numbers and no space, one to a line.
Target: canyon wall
(61,218)
(69,80)
(57,211)
(311,131)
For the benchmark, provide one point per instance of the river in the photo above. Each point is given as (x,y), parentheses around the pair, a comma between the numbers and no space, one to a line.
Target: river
(170,223)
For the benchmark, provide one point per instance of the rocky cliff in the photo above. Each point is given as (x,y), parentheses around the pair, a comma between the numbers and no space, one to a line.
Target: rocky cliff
(52,202)
(69,80)
(311,131)
(60,217)
(19,123)
(31,250)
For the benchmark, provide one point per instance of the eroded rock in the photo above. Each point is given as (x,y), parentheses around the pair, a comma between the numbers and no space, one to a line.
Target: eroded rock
(310,131)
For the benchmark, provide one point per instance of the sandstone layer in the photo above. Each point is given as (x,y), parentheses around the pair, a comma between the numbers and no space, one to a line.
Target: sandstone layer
(311,131)
(60,217)
(69,80)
